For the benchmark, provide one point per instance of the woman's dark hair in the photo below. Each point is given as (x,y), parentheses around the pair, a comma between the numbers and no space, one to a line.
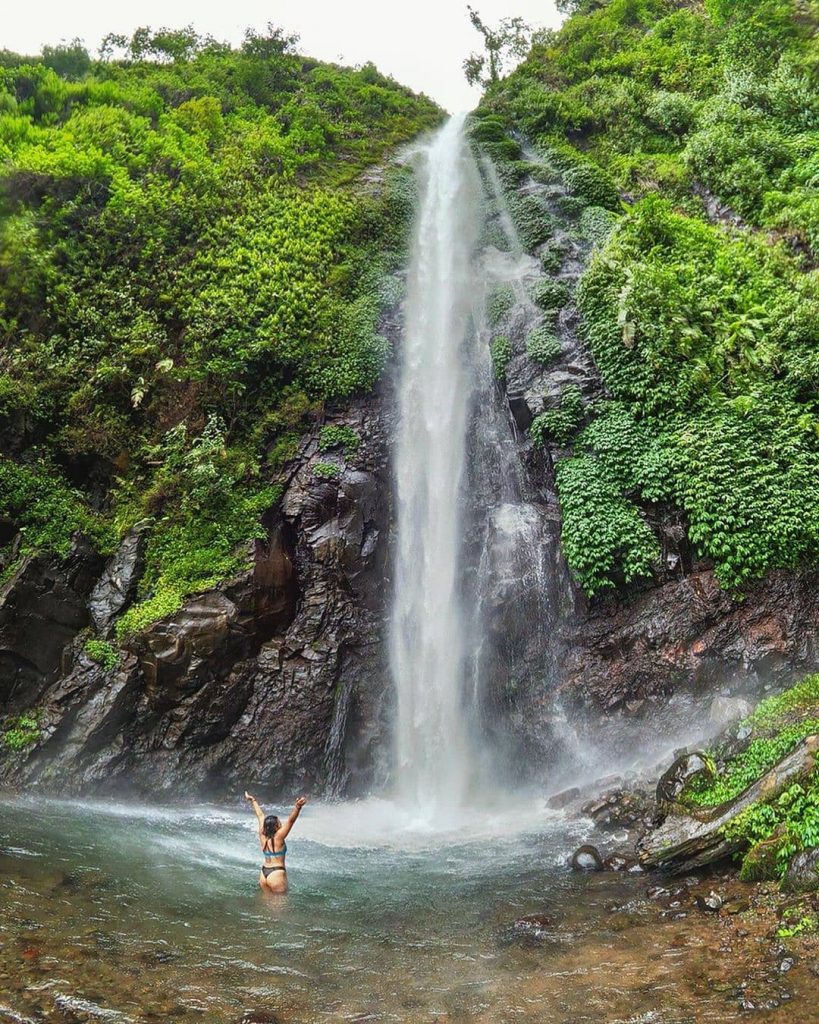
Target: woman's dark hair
(271,825)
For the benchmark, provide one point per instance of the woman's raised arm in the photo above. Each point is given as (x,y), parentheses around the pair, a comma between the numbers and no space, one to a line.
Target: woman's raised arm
(257,810)
(284,831)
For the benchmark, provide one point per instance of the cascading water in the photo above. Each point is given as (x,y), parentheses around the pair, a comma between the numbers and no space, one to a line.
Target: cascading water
(428,650)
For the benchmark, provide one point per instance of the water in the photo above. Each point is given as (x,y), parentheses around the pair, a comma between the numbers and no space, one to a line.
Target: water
(434,747)
(147,915)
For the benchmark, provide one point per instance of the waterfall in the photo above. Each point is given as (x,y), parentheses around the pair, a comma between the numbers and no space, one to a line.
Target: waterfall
(429,649)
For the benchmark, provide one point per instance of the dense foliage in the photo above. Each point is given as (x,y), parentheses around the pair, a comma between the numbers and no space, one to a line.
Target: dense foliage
(188,268)
(705,333)
(769,831)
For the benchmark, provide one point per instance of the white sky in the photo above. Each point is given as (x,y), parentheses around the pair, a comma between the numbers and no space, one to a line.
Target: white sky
(421,43)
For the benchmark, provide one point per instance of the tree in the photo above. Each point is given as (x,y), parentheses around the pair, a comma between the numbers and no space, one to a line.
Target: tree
(275,43)
(69,60)
(504,45)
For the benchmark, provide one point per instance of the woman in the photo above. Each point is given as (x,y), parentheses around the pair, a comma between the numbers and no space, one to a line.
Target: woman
(272,835)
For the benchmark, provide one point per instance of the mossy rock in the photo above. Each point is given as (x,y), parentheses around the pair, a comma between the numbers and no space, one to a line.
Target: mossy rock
(761,862)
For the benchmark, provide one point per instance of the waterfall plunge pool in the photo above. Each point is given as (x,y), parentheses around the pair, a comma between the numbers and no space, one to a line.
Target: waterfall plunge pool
(129,913)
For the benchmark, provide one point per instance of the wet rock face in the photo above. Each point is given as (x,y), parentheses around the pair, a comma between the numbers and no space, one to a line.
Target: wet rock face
(627,653)
(272,680)
(42,608)
(116,588)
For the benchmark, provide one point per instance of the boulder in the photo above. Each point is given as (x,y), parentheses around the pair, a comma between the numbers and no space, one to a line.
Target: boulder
(586,858)
(803,872)
(679,775)
(563,799)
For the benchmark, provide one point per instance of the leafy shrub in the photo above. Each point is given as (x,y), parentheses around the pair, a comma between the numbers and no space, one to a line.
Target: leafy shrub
(532,221)
(103,652)
(47,511)
(596,224)
(500,349)
(327,470)
(542,345)
(500,301)
(334,436)
(558,425)
(550,293)
(21,732)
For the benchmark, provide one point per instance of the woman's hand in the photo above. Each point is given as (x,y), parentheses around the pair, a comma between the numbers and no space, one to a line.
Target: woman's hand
(301,801)
(248,797)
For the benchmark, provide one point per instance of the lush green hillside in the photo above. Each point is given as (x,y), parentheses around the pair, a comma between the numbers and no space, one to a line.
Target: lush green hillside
(704,326)
(188,267)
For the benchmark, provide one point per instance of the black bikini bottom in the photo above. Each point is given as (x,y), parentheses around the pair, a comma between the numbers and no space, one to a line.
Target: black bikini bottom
(267,871)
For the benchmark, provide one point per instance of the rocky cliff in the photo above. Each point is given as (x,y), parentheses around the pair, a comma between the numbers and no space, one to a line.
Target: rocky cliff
(266,680)
(278,677)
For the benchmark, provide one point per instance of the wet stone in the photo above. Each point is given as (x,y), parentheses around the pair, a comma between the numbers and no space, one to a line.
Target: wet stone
(529,930)
(712,903)
(563,799)
(586,858)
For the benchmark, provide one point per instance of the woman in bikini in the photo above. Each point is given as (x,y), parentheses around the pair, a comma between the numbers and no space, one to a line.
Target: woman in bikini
(272,835)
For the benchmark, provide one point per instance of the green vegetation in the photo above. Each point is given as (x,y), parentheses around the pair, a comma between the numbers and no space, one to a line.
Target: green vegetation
(775,727)
(21,732)
(327,470)
(560,424)
(704,335)
(542,345)
(189,269)
(332,436)
(500,349)
(798,920)
(769,831)
(103,652)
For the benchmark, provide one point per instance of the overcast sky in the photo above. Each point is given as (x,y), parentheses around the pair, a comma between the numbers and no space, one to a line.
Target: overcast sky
(419,42)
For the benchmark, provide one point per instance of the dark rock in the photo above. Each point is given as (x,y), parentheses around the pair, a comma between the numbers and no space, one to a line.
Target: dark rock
(275,678)
(521,412)
(563,799)
(803,872)
(116,588)
(681,772)
(712,903)
(685,635)
(42,608)
(586,858)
